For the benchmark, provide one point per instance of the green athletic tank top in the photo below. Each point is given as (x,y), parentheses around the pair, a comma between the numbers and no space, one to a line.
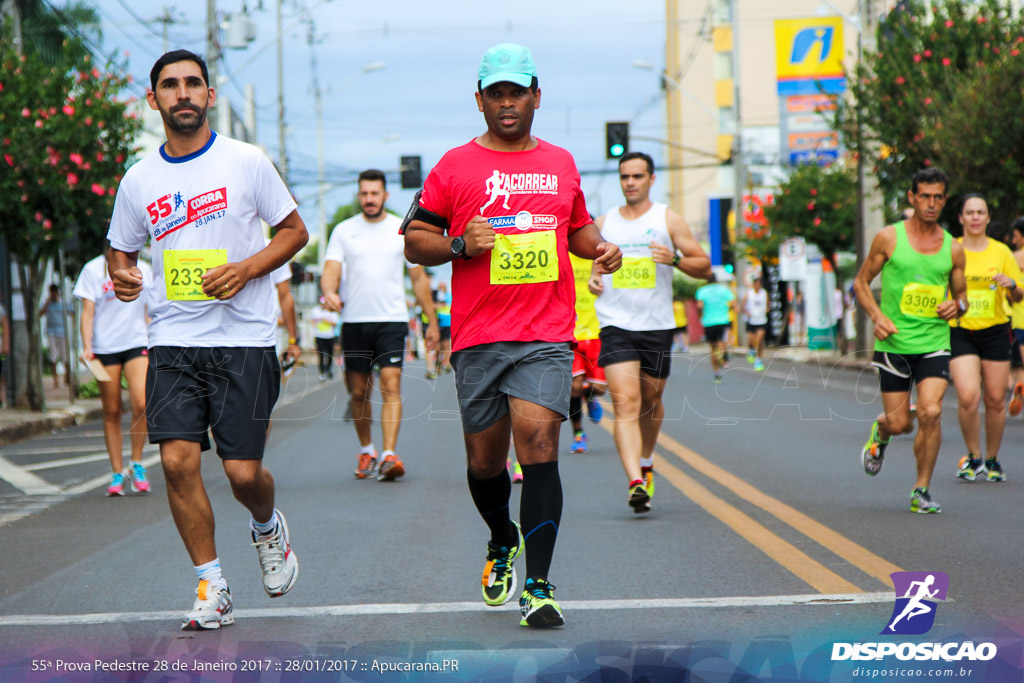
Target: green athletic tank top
(913,284)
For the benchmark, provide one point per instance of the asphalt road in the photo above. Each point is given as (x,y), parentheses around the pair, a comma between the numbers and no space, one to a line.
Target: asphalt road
(766,545)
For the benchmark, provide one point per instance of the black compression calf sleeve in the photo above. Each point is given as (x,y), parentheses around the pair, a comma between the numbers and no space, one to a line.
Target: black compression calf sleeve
(540,513)
(576,410)
(491,498)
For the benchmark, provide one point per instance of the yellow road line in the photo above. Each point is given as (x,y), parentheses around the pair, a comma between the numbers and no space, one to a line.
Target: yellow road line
(813,573)
(854,553)
(816,575)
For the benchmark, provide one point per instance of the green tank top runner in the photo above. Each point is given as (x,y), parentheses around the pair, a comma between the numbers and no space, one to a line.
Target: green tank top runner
(913,284)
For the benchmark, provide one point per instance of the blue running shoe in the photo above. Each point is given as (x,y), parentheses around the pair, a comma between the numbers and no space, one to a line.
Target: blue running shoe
(579,443)
(594,410)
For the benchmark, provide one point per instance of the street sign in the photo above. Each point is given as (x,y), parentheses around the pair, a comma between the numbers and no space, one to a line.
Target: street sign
(793,259)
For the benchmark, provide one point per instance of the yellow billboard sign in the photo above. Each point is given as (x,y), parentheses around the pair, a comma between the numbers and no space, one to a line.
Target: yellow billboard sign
(809,55)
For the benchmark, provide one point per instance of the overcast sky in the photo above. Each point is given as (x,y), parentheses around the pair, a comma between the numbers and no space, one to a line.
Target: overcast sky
(422,102)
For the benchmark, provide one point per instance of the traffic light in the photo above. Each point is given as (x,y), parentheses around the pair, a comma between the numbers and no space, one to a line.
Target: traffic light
(412,176)
(616,136)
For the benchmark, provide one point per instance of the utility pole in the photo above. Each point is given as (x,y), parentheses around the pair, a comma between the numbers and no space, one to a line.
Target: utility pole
(166,19)
(673,106)
(870,215)
(282,154)
(321,178)
(738,168)
(212,46)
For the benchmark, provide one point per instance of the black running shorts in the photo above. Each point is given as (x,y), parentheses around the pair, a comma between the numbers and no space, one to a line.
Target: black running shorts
(367,344)
(898,371)
(229,390)
(989,343)
(121,357)
(715,333)
(653,348)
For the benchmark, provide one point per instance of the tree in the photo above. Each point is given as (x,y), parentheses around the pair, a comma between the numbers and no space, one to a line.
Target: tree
(942,90)
(66,138)
(818,204)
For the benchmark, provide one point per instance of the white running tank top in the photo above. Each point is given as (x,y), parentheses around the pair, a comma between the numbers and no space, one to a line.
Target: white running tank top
(634,305)
(757,306)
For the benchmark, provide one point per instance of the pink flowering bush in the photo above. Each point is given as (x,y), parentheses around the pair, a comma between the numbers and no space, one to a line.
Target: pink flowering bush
(942,90)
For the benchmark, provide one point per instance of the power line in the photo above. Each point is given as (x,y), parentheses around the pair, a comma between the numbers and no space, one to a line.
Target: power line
(136,17)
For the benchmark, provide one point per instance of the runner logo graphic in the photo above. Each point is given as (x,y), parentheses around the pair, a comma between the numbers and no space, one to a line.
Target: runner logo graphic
(503,185)
(916,592)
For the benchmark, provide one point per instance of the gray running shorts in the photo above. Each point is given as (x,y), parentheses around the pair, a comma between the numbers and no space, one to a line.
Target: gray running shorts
(487,374)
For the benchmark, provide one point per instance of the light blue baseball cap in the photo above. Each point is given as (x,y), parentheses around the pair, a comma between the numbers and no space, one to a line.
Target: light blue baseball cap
(507,62)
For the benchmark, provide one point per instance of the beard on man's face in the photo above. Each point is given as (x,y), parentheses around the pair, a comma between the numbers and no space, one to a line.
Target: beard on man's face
(185,125)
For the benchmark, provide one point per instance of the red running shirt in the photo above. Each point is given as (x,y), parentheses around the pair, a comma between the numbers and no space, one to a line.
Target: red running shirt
(533,197)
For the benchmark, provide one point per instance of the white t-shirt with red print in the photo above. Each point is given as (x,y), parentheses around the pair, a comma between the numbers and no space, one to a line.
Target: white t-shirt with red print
(212,199)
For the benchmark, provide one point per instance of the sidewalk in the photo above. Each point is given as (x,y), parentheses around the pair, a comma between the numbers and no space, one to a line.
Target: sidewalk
(17,424)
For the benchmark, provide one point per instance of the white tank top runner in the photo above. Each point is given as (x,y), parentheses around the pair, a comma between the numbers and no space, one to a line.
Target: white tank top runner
(757,307)
(637,308)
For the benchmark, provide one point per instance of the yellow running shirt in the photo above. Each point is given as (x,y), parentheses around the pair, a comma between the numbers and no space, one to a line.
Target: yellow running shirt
(587,326)
(679,311)
(988,303)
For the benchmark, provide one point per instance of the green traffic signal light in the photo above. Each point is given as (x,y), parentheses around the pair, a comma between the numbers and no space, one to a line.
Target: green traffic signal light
(729,268)
(616,139)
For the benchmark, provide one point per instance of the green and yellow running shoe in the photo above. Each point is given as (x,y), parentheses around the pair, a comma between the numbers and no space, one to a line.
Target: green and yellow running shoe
(921,501)
(873,452)
(648,474)
(499,578)
(538,608)
(995,470)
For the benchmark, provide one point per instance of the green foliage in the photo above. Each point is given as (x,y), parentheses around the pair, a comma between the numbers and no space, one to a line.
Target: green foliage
(90,389)
(67,138)
(346,211)
(816,203)
(684,286)
(44,30)
(343,213)
(943,90)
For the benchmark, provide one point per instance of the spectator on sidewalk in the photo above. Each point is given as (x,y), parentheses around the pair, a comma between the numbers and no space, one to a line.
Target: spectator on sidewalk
(56,337)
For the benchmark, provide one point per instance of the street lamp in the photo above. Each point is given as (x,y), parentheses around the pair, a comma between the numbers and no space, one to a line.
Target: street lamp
(669,83)
(320,174)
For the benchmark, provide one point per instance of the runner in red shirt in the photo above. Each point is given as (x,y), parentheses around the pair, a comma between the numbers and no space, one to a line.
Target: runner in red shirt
(507,208)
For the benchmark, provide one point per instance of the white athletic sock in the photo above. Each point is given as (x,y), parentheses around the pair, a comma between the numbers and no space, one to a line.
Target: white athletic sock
(369,449)
(264,528)
(386,454)
(647,462)
(211,572)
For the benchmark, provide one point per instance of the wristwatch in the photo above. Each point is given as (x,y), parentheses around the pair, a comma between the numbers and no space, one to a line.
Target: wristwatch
(293,340)
(458,247)
(675,259)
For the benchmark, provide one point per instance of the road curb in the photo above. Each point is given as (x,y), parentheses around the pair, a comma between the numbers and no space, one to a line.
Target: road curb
(33,424)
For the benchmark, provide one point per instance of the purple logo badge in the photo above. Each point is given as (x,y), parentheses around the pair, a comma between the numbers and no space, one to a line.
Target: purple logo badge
(916,593)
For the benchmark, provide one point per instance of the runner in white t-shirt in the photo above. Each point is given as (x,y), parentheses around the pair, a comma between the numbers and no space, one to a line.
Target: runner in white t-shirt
(114,333)
(374,317)
(755,306)
(199,201)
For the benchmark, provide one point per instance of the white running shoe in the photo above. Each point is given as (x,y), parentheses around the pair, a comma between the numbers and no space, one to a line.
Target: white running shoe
(211,610)
(277,560)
